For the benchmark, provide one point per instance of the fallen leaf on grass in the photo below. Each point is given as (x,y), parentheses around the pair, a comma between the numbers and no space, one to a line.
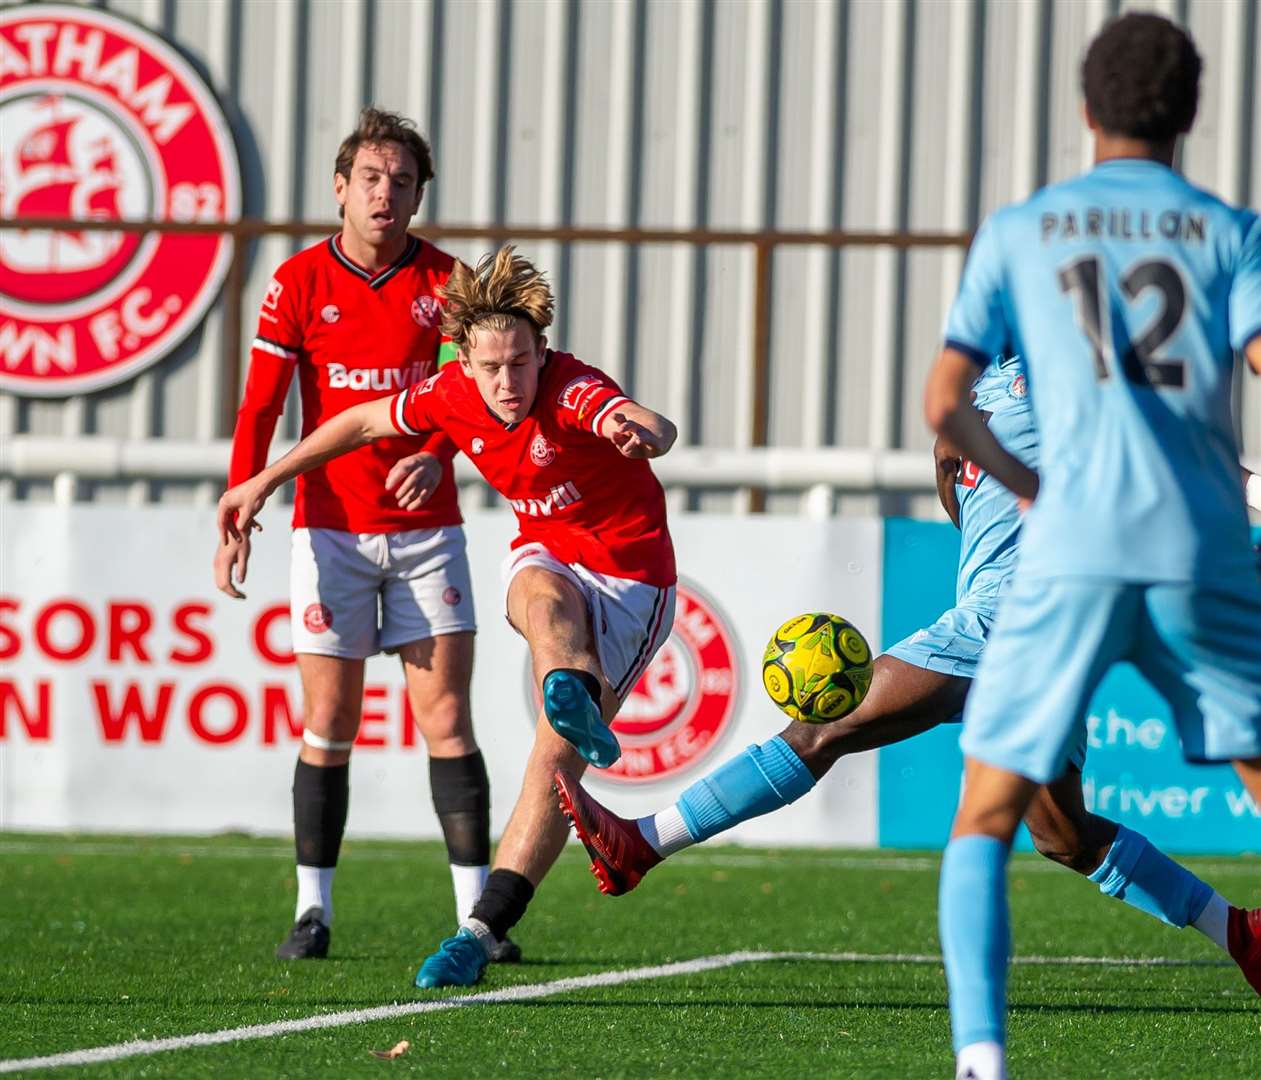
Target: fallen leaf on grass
(399,1049)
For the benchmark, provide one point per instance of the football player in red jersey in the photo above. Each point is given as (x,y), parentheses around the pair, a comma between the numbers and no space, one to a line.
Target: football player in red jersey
(357,317)
(590,579)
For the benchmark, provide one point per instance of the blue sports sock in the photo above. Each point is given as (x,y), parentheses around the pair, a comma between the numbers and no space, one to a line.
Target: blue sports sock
(1146,878)
(760,780)
(972,916)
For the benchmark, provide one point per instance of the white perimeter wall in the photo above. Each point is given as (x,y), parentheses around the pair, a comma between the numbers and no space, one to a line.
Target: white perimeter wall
(68,766)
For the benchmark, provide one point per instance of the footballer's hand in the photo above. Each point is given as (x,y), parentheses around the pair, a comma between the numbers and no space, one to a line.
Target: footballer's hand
(239,507)
(947,456)
(414,478)
(231,560)
(636,441)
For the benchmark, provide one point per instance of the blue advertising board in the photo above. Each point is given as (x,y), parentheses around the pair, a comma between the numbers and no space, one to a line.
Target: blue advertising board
(1134,771)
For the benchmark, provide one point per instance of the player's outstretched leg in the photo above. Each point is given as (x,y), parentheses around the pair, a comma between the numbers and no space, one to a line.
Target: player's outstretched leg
(619,854)
(1125,865)
(903,701)
(550,612)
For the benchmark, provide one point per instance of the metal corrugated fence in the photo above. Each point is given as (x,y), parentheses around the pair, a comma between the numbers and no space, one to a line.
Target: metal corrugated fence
(883,115)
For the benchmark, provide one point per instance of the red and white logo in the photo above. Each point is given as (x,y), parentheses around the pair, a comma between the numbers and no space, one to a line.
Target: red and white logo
(317,618)
(451,596)
(1019,388)
(478,445)
(971,474)
(103,120)
(576,390)
(425,311)
(541,451)
(678,712)
(330,313)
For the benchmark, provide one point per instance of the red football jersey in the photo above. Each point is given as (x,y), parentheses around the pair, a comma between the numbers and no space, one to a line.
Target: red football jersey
(571,489)
(353,336)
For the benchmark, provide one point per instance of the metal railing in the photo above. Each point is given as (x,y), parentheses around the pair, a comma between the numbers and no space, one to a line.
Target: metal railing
(29,456)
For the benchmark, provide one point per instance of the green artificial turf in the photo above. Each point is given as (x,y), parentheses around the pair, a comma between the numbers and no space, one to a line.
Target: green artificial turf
(110,939)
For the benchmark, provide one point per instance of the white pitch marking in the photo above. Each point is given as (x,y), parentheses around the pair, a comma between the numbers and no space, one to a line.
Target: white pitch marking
(530,992)
(735,860)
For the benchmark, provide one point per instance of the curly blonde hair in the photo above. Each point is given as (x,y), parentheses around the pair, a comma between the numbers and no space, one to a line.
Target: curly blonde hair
(504,287)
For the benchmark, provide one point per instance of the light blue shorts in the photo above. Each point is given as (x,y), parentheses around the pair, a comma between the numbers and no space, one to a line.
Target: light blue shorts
(953,646)
(1054,640)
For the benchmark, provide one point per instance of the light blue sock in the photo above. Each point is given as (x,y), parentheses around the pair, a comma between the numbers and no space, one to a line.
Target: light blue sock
(975,940)
(1147,879)
(760,780)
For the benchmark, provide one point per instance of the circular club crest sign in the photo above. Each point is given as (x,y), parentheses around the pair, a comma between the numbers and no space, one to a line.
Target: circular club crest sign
(684,702)
(103,120)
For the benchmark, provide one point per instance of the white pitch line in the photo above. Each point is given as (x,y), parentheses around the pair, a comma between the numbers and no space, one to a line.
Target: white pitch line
(735,860)
(530,992)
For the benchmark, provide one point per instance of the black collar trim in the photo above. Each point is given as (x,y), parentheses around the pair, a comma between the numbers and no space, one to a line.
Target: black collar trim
(378,279)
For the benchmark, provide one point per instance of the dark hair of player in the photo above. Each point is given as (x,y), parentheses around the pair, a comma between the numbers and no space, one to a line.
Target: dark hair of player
(376,126)
(1141,78)
(504,287)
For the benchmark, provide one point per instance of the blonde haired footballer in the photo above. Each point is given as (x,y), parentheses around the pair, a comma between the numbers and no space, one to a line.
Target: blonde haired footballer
(590,577)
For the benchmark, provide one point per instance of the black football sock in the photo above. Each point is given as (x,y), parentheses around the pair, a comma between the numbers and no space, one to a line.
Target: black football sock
(321,797)
(461,797)
(503,901)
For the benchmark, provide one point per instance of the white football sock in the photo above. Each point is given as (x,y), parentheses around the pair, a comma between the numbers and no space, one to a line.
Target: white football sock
(666,831)
(315,889)
(1213,919)
(468,882)
(981,1061)
(481,931)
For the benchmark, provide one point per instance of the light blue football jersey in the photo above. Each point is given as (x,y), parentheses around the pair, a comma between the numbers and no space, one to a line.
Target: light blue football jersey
(1124,290)
(989,519)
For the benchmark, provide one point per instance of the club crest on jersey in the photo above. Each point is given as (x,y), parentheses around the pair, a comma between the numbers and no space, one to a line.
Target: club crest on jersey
(477,445)
(103,120)
(330,313)
(971,474)
(1018,388)
(541,451)
(425,311)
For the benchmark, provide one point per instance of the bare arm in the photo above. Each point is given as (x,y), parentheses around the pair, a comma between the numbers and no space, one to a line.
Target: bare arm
(1252,352)
(346,431)
(948,465)
(949,411)
(638,432)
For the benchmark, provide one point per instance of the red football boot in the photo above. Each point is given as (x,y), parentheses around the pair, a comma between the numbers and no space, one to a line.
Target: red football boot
(1243,939)
(620,855)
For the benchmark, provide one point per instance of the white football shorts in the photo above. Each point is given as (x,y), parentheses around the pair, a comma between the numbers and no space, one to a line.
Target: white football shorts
(631,620)
(357,594)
